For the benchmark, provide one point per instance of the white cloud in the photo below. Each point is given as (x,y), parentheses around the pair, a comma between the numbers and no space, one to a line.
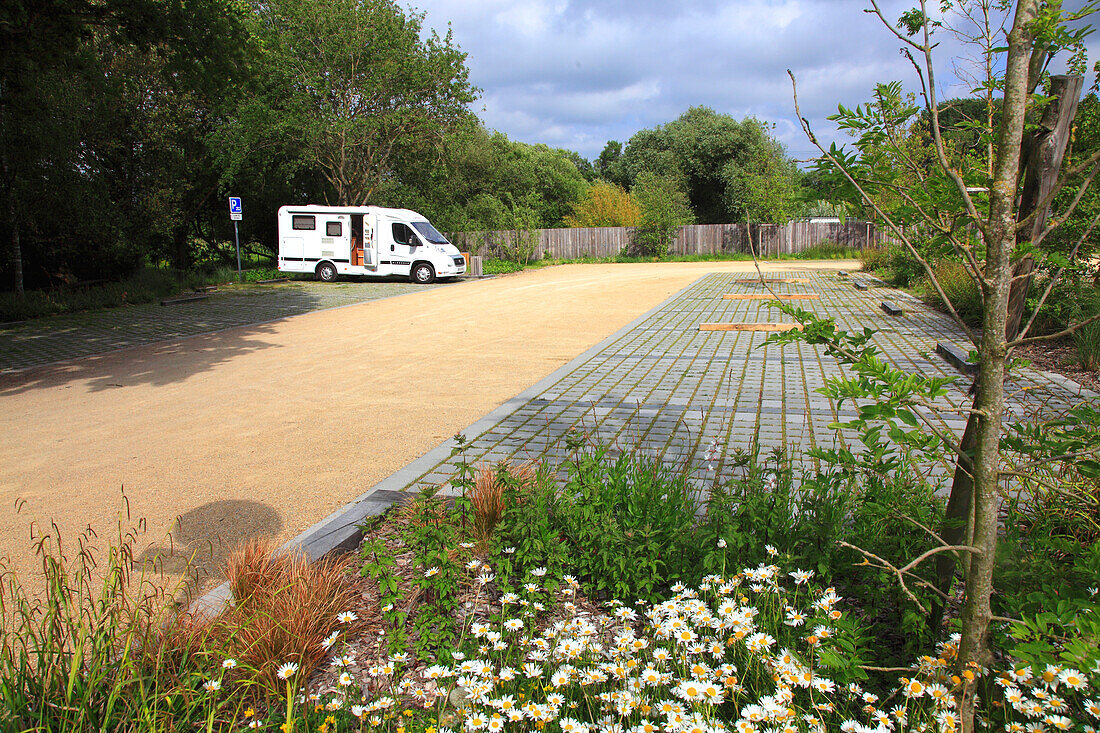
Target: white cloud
(576,73)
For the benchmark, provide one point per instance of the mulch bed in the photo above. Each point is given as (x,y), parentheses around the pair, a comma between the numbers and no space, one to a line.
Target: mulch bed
(1059,357)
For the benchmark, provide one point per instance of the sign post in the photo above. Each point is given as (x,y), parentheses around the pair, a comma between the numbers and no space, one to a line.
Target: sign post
(236,213)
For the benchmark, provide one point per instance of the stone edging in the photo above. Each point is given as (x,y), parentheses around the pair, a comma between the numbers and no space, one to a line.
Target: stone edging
(341,529)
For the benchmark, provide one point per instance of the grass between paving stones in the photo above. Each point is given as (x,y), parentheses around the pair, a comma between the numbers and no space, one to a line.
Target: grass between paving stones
(498,611)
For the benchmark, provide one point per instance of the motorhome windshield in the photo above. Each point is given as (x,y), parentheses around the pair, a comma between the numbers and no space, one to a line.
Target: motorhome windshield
(429,232)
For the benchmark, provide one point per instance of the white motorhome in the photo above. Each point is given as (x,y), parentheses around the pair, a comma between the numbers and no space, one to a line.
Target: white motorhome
(364,240)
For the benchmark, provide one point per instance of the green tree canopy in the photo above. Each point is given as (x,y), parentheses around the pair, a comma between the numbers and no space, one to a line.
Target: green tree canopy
(353,82)
(665,208)
(710,153)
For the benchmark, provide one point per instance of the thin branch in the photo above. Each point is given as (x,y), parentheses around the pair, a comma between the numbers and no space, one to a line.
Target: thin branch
(878,11)
(1054,336)
(934,111)
(900,573)
(935,551)
(1055,279)
(898,231)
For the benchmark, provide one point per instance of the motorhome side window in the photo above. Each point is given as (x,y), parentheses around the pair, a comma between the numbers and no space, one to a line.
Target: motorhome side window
(333,228)
(303,222)
(403,234)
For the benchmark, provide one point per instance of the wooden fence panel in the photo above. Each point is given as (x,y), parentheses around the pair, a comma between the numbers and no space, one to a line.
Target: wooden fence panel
(768,240)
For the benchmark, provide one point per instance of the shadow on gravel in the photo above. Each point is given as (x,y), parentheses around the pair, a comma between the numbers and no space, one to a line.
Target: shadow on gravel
(156,364)
(203,537)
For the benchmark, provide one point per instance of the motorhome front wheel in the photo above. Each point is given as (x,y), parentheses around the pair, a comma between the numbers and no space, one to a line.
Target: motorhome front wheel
(423,273)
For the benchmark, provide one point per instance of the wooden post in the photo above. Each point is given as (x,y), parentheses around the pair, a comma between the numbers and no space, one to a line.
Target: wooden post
(1042,164)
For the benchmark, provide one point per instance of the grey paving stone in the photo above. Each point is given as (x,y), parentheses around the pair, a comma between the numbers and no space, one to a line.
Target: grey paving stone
(663,387)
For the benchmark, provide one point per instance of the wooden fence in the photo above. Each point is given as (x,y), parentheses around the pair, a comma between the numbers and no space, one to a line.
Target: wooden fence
(602,242)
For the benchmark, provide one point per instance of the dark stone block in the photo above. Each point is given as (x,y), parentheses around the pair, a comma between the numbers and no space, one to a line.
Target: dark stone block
(956,357)
(891,308)
(184,299)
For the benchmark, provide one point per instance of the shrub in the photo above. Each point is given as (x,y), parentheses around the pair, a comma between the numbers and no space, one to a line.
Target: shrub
(527,536)
(959,288)
(605,205)
(627,523)
(1073,299)
(664,209)
(1087,340)
(496,266)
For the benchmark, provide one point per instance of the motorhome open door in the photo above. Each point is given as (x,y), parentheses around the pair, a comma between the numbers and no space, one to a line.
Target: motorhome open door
(369,239)
(362,243)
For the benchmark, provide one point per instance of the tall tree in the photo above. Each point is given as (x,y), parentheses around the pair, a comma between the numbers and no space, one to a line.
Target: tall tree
(979,222)
(711,153)
(353,81)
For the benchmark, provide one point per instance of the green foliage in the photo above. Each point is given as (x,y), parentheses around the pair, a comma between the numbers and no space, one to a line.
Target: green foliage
(378,564)
(432,534)
(626,523)
(497,266)
(1075,298)
(350,82)
(522,239)
(474,180)
(1087,340)
(958,286)
(664,209)
(829,251)
(765,186)
(728,168)
(527,535)
(1086,141)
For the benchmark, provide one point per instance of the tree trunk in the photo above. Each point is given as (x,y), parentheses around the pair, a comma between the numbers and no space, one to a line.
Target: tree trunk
(1046,149)
(16,246)
(958,515)
(1042,162)
(1000,239)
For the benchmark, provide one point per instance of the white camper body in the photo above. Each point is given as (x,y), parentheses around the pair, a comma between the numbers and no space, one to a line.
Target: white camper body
(370,241)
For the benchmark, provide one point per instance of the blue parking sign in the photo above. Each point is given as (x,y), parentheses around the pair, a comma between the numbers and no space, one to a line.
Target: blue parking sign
(234,205)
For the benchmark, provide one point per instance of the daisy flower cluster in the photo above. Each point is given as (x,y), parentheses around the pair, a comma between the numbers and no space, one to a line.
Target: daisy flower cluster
(701,661)
(752,653)
(745,654)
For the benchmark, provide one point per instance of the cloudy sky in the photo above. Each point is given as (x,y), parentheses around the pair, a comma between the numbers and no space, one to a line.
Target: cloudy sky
(577,73)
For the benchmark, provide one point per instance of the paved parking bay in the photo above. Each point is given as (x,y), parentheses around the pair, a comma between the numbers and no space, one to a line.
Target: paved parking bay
(71,336)
(696,398)
(267,428)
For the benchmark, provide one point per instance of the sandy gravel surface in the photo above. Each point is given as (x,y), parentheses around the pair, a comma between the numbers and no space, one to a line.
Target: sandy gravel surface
(265,430)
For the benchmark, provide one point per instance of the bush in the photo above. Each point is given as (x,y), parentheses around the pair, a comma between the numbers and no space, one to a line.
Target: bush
(829,251)
(1073,299)
(496,266)
(627,523)
(959,288)
(893,263)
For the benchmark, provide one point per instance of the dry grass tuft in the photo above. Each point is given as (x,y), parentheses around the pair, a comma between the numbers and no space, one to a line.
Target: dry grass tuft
(285,607)
(488,496)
